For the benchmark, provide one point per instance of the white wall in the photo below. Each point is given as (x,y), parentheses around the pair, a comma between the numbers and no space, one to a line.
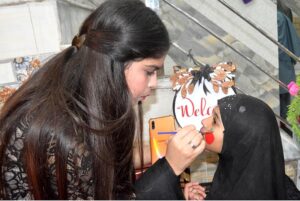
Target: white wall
(29,29)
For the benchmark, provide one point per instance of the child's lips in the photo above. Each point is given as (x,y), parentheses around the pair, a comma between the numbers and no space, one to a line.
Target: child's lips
(203,131)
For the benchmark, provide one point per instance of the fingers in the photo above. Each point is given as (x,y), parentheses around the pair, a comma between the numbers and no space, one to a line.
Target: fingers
(185,131)
(188,187)
(190,141)
(189,135)
(199,191)
(187,190)
(193,191)
(196,140)
(183,148)
(199,149)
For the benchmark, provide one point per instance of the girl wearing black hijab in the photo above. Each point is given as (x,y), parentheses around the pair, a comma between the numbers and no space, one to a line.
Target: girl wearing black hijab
(251,163)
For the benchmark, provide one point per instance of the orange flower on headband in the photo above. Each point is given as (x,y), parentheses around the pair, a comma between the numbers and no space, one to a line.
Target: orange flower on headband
(5,93)
(181,77)
(221,76)
(35,63)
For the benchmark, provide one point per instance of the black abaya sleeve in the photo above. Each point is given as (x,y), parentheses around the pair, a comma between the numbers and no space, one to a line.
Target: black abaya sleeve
(292,192)
(159,182)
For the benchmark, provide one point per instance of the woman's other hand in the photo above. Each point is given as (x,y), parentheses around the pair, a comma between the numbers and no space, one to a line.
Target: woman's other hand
(194,191)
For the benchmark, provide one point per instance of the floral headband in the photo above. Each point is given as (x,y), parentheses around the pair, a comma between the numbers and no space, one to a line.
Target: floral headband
(219,75)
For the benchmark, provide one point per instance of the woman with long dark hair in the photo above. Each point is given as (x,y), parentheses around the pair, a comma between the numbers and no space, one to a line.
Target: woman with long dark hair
(68,132)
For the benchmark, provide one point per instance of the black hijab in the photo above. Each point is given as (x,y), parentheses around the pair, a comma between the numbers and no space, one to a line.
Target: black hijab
(251,163)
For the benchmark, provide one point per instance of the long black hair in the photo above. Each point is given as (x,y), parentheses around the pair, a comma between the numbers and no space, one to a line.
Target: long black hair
(81,95)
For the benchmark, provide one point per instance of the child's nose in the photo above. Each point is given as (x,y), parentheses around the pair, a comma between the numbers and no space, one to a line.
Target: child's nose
(205,121)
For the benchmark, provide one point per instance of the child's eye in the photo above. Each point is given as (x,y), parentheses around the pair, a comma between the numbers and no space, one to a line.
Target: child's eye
(214,120)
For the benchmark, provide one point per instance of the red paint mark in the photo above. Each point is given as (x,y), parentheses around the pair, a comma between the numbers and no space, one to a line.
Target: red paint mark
(209,137)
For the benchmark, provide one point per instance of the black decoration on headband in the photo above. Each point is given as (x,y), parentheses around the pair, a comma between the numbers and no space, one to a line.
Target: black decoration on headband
(201,73)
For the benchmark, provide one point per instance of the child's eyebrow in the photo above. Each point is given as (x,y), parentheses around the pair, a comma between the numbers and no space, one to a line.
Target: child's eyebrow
(216,114)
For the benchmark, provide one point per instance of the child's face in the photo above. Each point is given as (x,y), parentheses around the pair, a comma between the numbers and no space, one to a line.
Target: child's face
(214,125)
(141,77)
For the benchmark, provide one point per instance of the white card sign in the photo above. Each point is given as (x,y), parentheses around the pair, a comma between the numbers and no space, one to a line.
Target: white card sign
(198,105)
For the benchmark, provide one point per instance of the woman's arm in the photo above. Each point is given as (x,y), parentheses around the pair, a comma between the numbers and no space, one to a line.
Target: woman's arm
(159,182)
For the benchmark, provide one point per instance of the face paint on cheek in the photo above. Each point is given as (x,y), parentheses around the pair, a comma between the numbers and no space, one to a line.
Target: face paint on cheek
(209,137)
